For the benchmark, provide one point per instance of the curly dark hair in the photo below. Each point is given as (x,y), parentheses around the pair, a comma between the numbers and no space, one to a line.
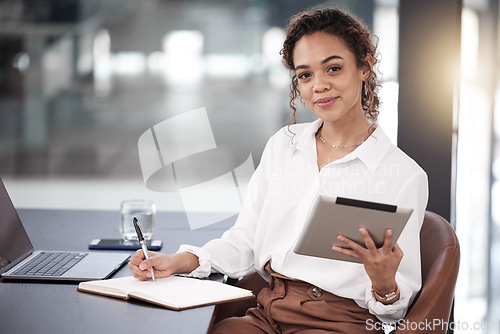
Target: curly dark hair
(355,35)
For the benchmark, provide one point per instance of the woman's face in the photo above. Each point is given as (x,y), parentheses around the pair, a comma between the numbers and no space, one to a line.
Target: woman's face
(329,79)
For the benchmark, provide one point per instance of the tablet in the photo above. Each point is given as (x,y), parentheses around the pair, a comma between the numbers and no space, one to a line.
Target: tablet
(330,217)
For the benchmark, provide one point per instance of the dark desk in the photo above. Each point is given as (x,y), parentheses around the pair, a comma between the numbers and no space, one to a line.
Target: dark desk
(27,307)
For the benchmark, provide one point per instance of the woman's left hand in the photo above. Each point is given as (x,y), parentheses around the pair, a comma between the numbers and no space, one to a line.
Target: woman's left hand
(381,264)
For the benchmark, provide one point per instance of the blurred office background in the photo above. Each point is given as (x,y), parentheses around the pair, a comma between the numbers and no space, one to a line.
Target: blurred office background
(80,81)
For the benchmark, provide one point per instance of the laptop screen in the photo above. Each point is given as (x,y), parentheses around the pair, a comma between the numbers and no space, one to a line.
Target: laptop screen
(14,242)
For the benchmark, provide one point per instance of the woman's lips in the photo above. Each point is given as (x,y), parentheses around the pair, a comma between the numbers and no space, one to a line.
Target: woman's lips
(326,102)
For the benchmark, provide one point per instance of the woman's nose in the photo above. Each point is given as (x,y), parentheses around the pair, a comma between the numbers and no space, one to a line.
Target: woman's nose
(321,84)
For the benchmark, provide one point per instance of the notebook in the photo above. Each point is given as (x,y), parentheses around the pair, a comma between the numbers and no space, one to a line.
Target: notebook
(173,292)
(19,260)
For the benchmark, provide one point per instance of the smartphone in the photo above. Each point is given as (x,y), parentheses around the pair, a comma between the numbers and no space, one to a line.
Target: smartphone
(153,245)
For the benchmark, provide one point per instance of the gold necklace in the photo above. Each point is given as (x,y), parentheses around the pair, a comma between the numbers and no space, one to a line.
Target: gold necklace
(338,146)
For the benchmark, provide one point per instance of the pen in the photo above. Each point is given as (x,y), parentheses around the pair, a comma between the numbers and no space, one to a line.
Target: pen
(138,229)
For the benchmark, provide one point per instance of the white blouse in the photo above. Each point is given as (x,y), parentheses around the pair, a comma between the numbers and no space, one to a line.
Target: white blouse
(280,194)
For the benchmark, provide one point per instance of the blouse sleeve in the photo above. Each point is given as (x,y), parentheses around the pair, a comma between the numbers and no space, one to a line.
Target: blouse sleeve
(233,253)
(413,194)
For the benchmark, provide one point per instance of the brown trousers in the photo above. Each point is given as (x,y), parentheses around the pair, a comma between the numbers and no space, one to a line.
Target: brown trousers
(293,306)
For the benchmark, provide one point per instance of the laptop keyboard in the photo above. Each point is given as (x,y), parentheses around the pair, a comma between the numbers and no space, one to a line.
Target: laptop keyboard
(50,264)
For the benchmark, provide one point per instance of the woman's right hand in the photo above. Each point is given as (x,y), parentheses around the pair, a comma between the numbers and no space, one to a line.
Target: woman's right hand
(164,265)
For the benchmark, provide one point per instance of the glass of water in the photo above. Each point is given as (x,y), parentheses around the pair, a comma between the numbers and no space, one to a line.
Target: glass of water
(144,211)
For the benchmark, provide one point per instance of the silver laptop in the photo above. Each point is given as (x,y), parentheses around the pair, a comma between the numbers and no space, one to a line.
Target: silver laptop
(18,259)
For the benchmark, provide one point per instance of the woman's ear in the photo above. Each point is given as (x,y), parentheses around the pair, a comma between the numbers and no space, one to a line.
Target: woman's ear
(367,67)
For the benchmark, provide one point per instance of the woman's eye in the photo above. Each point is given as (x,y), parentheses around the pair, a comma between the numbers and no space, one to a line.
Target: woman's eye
(334,69)
(304,76)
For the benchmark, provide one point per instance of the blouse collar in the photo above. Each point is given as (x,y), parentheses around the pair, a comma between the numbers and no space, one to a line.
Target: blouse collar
(371,152)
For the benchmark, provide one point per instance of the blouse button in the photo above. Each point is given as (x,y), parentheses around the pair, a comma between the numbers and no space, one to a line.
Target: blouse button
(317,292)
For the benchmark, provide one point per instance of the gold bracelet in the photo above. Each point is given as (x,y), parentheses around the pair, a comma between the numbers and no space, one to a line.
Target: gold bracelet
(388,297)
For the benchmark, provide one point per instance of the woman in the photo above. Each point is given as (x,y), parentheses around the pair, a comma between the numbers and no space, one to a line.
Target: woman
(343,153)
